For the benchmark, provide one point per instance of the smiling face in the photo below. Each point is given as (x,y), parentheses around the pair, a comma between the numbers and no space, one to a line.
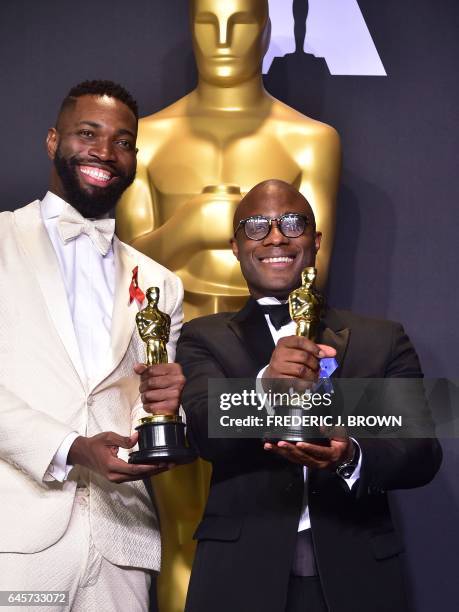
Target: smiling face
(273,266)
(94,154)
(230,39)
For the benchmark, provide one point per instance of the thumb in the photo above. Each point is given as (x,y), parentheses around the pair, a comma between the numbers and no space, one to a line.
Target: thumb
(338,435)
(140,368)
(326,351)
(114,439)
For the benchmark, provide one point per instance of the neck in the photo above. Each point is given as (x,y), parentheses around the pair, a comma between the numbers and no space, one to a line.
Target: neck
(55,185)
(241,97)
(257,295)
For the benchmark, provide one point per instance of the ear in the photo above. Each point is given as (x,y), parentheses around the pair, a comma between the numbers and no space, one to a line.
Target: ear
(52,142)
(234,248)
(318,240)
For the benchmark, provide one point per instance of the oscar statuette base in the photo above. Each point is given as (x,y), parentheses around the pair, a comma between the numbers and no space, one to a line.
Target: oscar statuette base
(162,440)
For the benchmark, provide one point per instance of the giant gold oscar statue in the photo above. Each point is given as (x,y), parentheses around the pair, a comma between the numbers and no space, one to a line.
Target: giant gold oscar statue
(195,158)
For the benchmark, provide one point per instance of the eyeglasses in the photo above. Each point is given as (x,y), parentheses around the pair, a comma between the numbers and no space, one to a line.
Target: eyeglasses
(291,225)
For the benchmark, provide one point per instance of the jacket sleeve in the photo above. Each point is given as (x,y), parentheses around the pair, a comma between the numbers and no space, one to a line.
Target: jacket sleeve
(391,462)
(199,365)
(29,438)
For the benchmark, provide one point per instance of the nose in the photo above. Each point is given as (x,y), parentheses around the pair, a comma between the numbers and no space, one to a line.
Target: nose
(103,149)
(223,33)
(275,236)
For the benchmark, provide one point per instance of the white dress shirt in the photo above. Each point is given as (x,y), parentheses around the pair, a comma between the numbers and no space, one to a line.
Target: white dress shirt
(89,280)
(289,330)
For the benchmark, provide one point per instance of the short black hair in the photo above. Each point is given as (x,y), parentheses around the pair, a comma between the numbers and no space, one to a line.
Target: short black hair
(99,88)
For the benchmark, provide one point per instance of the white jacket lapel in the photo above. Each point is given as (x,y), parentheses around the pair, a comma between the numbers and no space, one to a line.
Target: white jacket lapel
(39,250)
(123,317)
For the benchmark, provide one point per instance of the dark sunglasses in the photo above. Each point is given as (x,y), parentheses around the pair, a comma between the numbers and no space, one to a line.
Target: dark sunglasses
(291,225)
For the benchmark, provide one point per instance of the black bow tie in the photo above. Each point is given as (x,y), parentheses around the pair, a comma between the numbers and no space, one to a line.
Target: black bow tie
(278,313)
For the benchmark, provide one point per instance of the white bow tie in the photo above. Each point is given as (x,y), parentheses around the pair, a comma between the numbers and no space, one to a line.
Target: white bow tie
(71,224)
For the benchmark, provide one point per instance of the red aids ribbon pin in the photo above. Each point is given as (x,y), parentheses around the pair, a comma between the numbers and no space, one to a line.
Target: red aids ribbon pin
(135,292)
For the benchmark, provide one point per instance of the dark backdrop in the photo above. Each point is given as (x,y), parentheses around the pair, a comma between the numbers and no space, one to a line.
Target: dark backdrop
(396,250)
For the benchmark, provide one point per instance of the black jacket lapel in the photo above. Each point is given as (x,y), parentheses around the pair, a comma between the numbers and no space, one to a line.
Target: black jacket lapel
(333,334)
(249,325)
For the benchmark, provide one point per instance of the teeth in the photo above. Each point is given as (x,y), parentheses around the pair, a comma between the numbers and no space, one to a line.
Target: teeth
(97,173)
(277,259)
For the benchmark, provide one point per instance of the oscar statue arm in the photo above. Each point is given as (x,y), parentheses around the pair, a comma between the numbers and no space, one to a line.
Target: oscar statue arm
(299,307)
(198,225)
(168,325)
(319,159)
(395,462)
(293,302)
(141,325)
(195,226)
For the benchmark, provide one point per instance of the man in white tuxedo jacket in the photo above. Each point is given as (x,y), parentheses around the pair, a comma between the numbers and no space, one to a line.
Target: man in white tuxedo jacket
(74,515)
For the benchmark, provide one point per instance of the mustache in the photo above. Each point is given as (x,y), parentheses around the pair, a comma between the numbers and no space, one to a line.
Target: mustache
(108,166)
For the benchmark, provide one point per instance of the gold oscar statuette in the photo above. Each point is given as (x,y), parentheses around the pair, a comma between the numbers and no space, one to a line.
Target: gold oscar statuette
(306,305)
(161,436)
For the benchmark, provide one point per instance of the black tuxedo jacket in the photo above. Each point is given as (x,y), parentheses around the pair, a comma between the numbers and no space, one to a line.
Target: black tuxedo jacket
(247,537)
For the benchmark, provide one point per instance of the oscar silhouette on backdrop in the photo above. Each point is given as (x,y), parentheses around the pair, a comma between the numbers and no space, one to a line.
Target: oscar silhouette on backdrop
(300,15)
(299,76)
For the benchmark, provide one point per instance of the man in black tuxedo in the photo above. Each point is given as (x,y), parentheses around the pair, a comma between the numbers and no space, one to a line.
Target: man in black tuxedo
(268,542)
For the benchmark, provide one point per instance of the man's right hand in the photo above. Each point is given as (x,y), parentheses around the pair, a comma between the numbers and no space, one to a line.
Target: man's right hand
(297,357)
(99,453)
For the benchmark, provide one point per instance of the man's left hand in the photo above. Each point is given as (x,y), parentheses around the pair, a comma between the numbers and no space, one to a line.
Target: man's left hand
(314,455)
(161,386)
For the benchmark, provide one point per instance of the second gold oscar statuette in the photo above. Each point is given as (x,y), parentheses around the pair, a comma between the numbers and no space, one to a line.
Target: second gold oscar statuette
(161,436)
(306,305)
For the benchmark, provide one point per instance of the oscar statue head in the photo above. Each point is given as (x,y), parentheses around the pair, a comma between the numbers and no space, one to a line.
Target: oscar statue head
(152,295)
(230,39)
(308,276)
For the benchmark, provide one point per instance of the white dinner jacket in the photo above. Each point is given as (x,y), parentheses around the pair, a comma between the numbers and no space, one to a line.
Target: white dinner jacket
(44,396)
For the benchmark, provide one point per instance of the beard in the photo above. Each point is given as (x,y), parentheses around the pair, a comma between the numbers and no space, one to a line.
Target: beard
(92,201)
